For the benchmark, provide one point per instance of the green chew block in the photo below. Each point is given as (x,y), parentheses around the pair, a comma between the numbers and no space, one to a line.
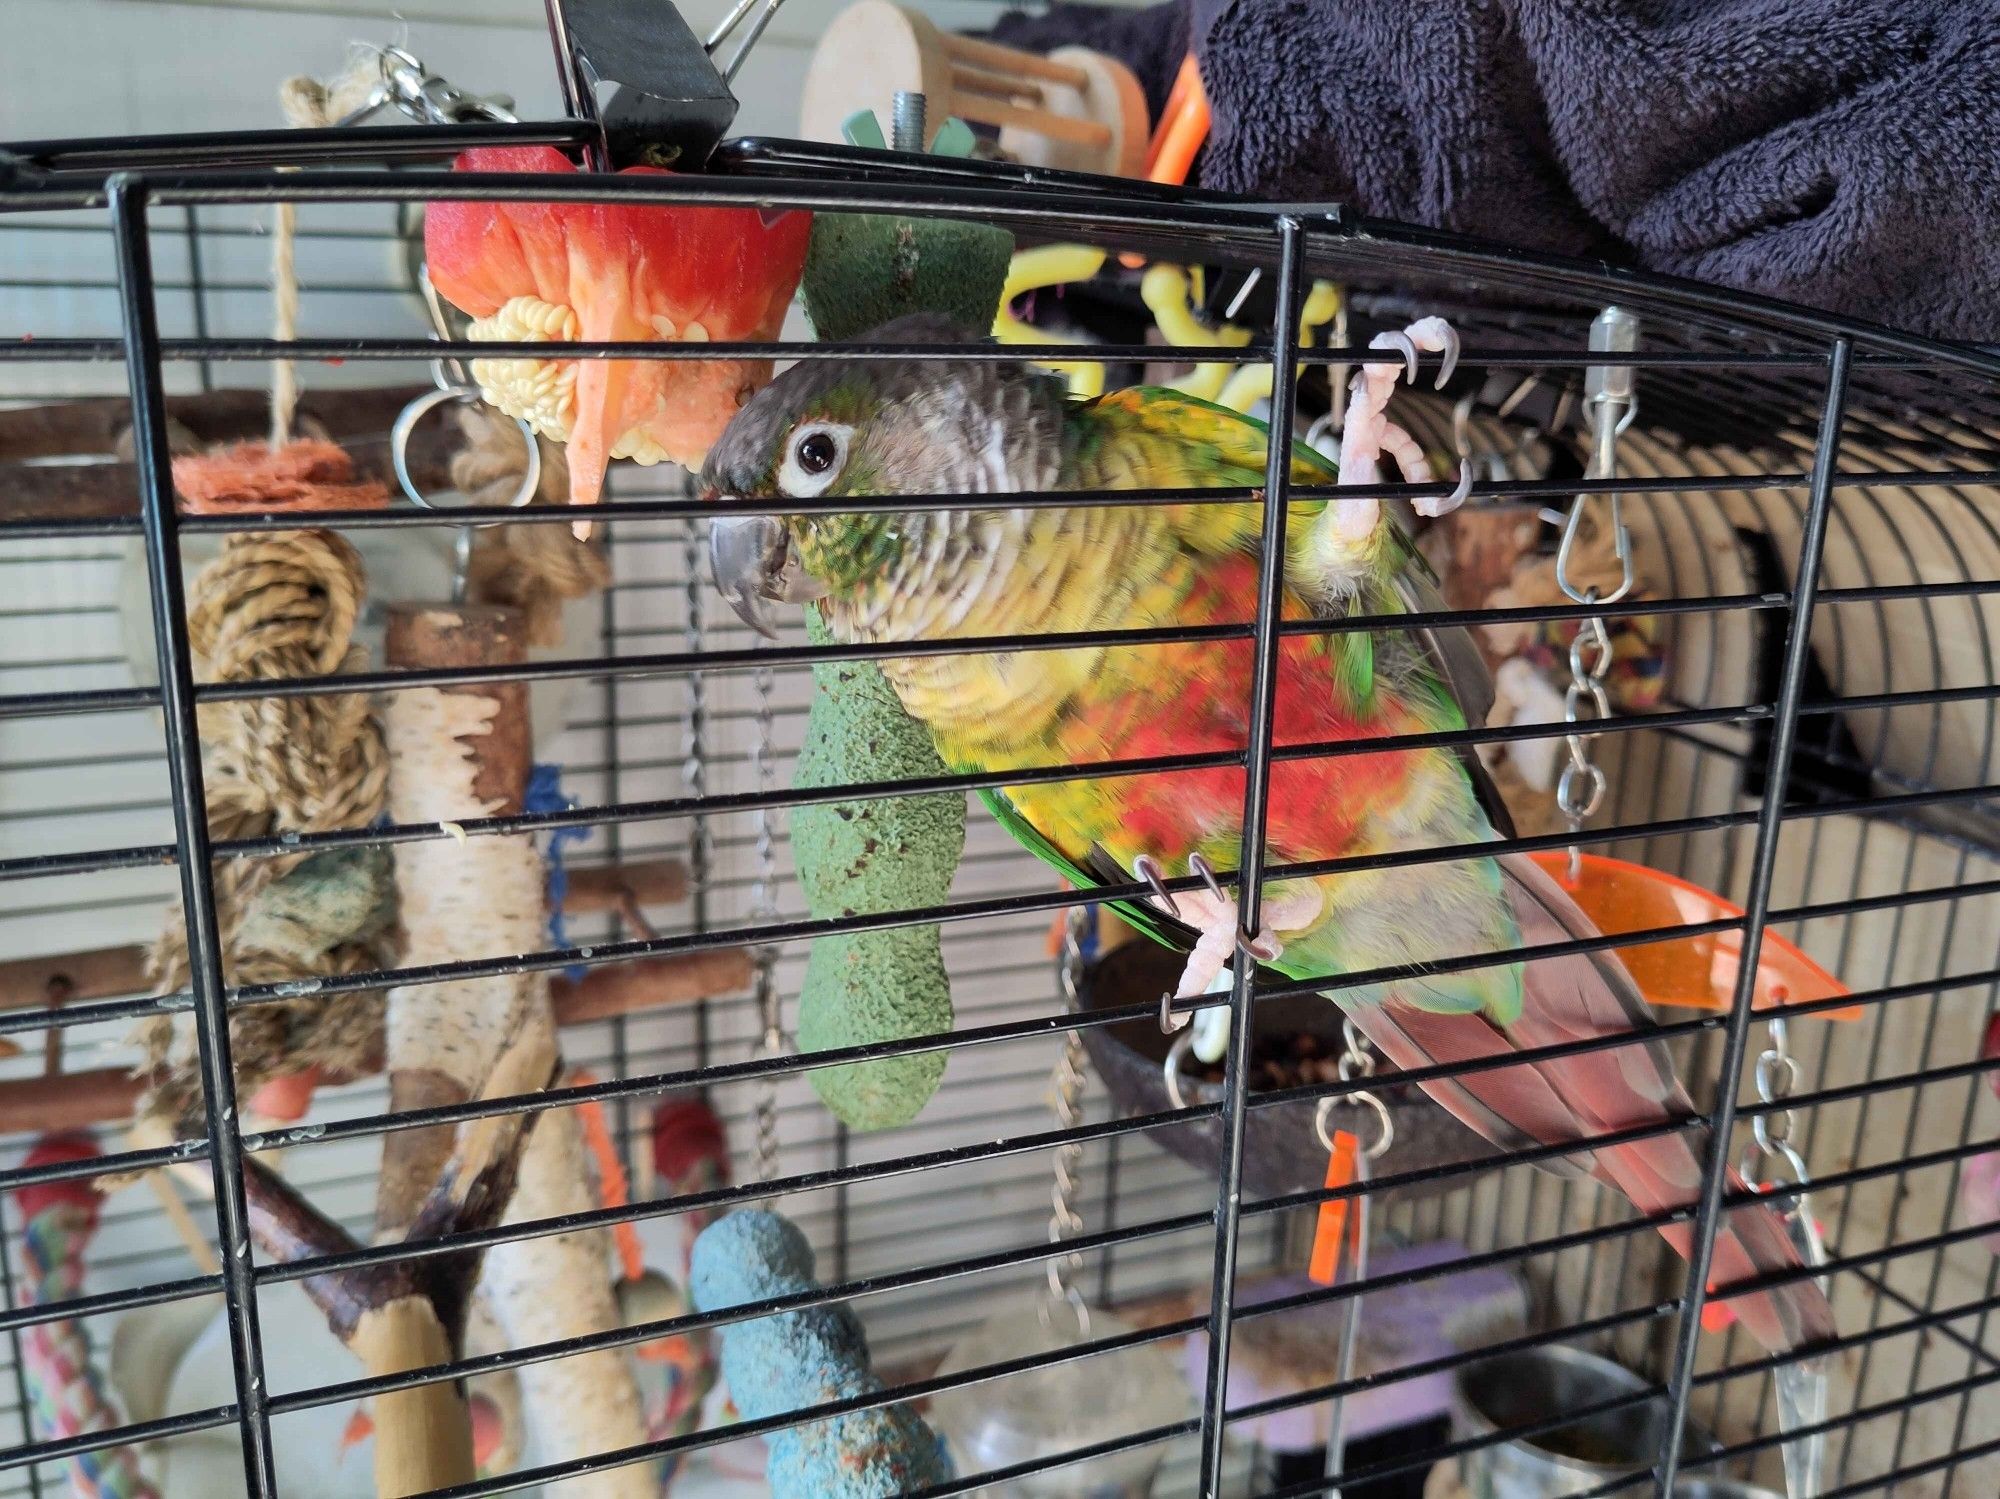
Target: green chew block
(859,858)
(876,986)
(862,270)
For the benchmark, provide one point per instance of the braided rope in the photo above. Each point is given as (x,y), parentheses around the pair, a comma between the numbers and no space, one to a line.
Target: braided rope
(67,1396)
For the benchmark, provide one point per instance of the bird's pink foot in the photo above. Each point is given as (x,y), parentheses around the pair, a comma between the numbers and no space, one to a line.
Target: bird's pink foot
(1368,433)
(1288,907)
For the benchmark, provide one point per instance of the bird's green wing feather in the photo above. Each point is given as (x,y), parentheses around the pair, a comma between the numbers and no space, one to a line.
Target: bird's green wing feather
(1136,914)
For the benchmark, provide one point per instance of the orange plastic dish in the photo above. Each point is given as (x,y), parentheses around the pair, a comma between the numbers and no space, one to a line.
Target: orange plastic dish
(1698,971)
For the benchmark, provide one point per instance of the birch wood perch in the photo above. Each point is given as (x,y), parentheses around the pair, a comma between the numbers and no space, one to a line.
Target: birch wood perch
(457,754)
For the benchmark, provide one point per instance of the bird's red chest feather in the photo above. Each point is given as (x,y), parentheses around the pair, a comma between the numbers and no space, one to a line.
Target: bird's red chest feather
(1194,698)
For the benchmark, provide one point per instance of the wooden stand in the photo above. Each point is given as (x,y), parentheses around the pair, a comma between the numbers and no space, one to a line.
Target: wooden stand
(1074,109)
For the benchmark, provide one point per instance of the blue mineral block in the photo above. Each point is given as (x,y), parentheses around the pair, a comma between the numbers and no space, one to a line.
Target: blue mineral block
(793,1360)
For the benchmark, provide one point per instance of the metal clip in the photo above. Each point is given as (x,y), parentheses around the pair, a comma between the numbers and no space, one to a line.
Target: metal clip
(415,91)
(1611,398)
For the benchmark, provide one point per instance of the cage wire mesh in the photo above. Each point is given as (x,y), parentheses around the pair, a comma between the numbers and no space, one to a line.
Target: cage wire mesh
(1814,505)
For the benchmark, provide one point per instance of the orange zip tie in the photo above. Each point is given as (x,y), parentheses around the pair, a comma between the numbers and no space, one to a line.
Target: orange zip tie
(611,1183)
(1334,1217)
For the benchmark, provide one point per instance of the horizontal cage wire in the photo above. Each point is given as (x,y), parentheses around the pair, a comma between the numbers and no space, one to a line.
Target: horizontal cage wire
(1816,510)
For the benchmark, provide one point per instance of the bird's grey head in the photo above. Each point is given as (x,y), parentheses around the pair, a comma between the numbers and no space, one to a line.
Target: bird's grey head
(873,424)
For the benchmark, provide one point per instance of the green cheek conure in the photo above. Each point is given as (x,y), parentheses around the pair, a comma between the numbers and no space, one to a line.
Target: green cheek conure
(828,429)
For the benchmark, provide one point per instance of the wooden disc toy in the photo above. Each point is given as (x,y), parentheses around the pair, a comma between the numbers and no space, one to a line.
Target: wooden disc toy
(1074,109)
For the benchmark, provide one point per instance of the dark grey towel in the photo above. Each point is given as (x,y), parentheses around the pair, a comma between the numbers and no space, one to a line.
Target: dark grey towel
(1841,153)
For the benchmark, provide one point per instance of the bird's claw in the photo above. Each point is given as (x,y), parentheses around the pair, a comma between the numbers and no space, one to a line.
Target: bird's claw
(1443,504)
(1431,335)
(1403,344)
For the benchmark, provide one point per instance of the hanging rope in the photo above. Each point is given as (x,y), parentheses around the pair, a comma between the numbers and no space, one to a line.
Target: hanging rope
(67,1396)
(307,104)
(274,606)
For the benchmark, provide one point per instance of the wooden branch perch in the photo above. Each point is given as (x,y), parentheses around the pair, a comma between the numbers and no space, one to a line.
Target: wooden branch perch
(115,972)
(410,1314)
(357,419)
(105,1095)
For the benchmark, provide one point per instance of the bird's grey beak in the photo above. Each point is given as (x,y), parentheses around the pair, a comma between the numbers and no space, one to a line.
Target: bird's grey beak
(754,566)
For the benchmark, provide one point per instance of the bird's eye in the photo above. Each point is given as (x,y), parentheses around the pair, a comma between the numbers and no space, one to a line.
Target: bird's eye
(814,460)
(818,452)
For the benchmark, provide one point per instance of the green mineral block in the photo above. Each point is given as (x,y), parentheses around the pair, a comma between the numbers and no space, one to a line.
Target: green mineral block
(895,854)
(864,269)
(864,857)
(875,986)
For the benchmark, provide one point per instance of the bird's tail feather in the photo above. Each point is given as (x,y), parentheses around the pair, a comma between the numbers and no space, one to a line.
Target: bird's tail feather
(1592,1094)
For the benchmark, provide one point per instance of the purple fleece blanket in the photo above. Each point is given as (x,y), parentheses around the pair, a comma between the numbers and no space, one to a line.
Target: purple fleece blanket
(1842,153)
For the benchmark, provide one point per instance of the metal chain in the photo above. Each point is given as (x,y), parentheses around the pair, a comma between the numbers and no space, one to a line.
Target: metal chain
(1066,1086)
(1357,1061)
(694,759)
(764,911)
(1612,402)
(1580,791)
(1777,1078)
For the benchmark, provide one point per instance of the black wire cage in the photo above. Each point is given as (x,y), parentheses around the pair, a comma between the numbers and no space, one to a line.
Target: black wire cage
(1816,506)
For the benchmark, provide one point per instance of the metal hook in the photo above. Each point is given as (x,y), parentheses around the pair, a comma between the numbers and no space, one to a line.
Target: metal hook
(416,92)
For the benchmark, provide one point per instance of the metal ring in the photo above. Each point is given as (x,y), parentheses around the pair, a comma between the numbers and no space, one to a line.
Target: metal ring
(1750,1164)
(406,423)
(1322,1116)
(1772,1083)
(1566,791)
(1171,1067)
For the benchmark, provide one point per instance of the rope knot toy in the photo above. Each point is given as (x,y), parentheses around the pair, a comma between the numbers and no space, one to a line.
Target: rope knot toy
(275,605)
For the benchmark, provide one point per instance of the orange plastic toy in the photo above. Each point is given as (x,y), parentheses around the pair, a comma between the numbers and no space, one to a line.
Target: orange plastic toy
(1700,971)
(1179,135)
